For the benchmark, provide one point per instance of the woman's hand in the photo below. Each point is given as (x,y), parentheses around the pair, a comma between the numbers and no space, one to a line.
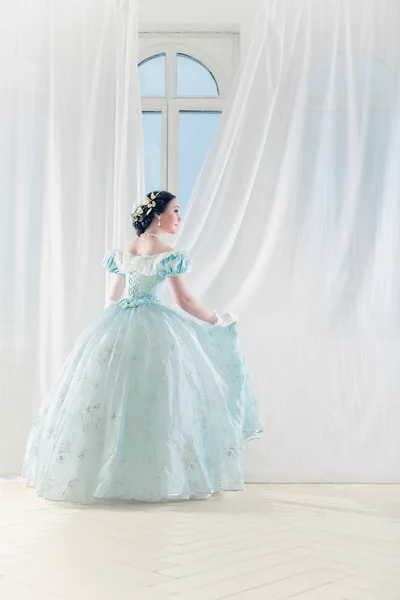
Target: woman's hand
(226,319)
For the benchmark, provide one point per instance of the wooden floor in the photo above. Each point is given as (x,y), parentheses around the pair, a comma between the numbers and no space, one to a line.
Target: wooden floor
(272,542)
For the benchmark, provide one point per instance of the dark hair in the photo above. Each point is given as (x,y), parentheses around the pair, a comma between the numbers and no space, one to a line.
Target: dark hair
(162,199)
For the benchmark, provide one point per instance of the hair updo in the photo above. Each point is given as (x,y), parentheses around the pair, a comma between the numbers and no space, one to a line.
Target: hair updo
(160,201)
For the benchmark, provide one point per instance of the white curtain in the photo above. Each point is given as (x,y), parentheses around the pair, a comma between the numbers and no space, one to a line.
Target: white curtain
(294,225)
(70,170)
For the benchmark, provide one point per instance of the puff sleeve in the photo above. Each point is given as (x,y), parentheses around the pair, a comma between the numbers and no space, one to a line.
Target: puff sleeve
(109,263)
(176,264)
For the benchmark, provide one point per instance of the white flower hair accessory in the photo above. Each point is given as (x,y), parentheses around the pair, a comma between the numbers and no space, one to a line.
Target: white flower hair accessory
(145,208)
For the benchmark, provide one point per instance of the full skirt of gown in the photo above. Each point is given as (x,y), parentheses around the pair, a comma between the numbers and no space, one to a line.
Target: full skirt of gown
(150,405)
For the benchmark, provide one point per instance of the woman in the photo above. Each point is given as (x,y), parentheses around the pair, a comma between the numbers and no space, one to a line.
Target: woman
(150,405)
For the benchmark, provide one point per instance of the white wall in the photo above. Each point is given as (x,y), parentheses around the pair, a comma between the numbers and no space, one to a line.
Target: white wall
(214,15)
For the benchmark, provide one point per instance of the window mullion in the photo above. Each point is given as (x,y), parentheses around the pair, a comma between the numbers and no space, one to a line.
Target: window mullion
(173,145)
(164,159)
(153,104)
(171,73)
(172,133)
(199,104)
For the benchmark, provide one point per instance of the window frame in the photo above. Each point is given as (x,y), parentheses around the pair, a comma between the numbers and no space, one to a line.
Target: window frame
(218,52)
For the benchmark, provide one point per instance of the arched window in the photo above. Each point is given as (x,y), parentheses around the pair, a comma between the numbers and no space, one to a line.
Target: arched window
(183,91)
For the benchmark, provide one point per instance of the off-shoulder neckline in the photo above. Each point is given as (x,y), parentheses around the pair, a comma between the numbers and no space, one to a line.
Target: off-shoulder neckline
(126,253)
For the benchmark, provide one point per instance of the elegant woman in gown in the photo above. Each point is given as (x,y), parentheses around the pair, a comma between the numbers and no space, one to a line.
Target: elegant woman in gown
(151,404)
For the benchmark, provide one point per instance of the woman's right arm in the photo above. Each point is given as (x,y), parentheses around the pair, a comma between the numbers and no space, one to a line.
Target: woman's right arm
(189,303)
(116,288)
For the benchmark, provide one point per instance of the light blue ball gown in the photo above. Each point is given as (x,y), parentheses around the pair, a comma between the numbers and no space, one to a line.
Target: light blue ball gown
(150,404)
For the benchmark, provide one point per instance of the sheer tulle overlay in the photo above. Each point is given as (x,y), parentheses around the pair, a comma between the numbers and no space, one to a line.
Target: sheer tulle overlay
(150,405)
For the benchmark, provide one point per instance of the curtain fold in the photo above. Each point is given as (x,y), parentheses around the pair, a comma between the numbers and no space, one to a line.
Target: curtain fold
(70,171)
(294,225)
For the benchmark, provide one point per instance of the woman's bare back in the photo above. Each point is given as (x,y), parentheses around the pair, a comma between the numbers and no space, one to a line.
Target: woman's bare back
(147,246)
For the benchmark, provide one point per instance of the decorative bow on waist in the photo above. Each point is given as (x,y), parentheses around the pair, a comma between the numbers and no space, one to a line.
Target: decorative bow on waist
(139,301)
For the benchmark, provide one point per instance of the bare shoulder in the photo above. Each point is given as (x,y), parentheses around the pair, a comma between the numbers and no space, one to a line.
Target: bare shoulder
(156,245)
(167,248)
(147,246)
(131,247)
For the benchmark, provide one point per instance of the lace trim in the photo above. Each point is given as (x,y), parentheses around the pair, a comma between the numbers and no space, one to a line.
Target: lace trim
(144,265)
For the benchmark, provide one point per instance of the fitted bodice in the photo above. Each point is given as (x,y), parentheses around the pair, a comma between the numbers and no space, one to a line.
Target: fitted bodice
(145,275)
